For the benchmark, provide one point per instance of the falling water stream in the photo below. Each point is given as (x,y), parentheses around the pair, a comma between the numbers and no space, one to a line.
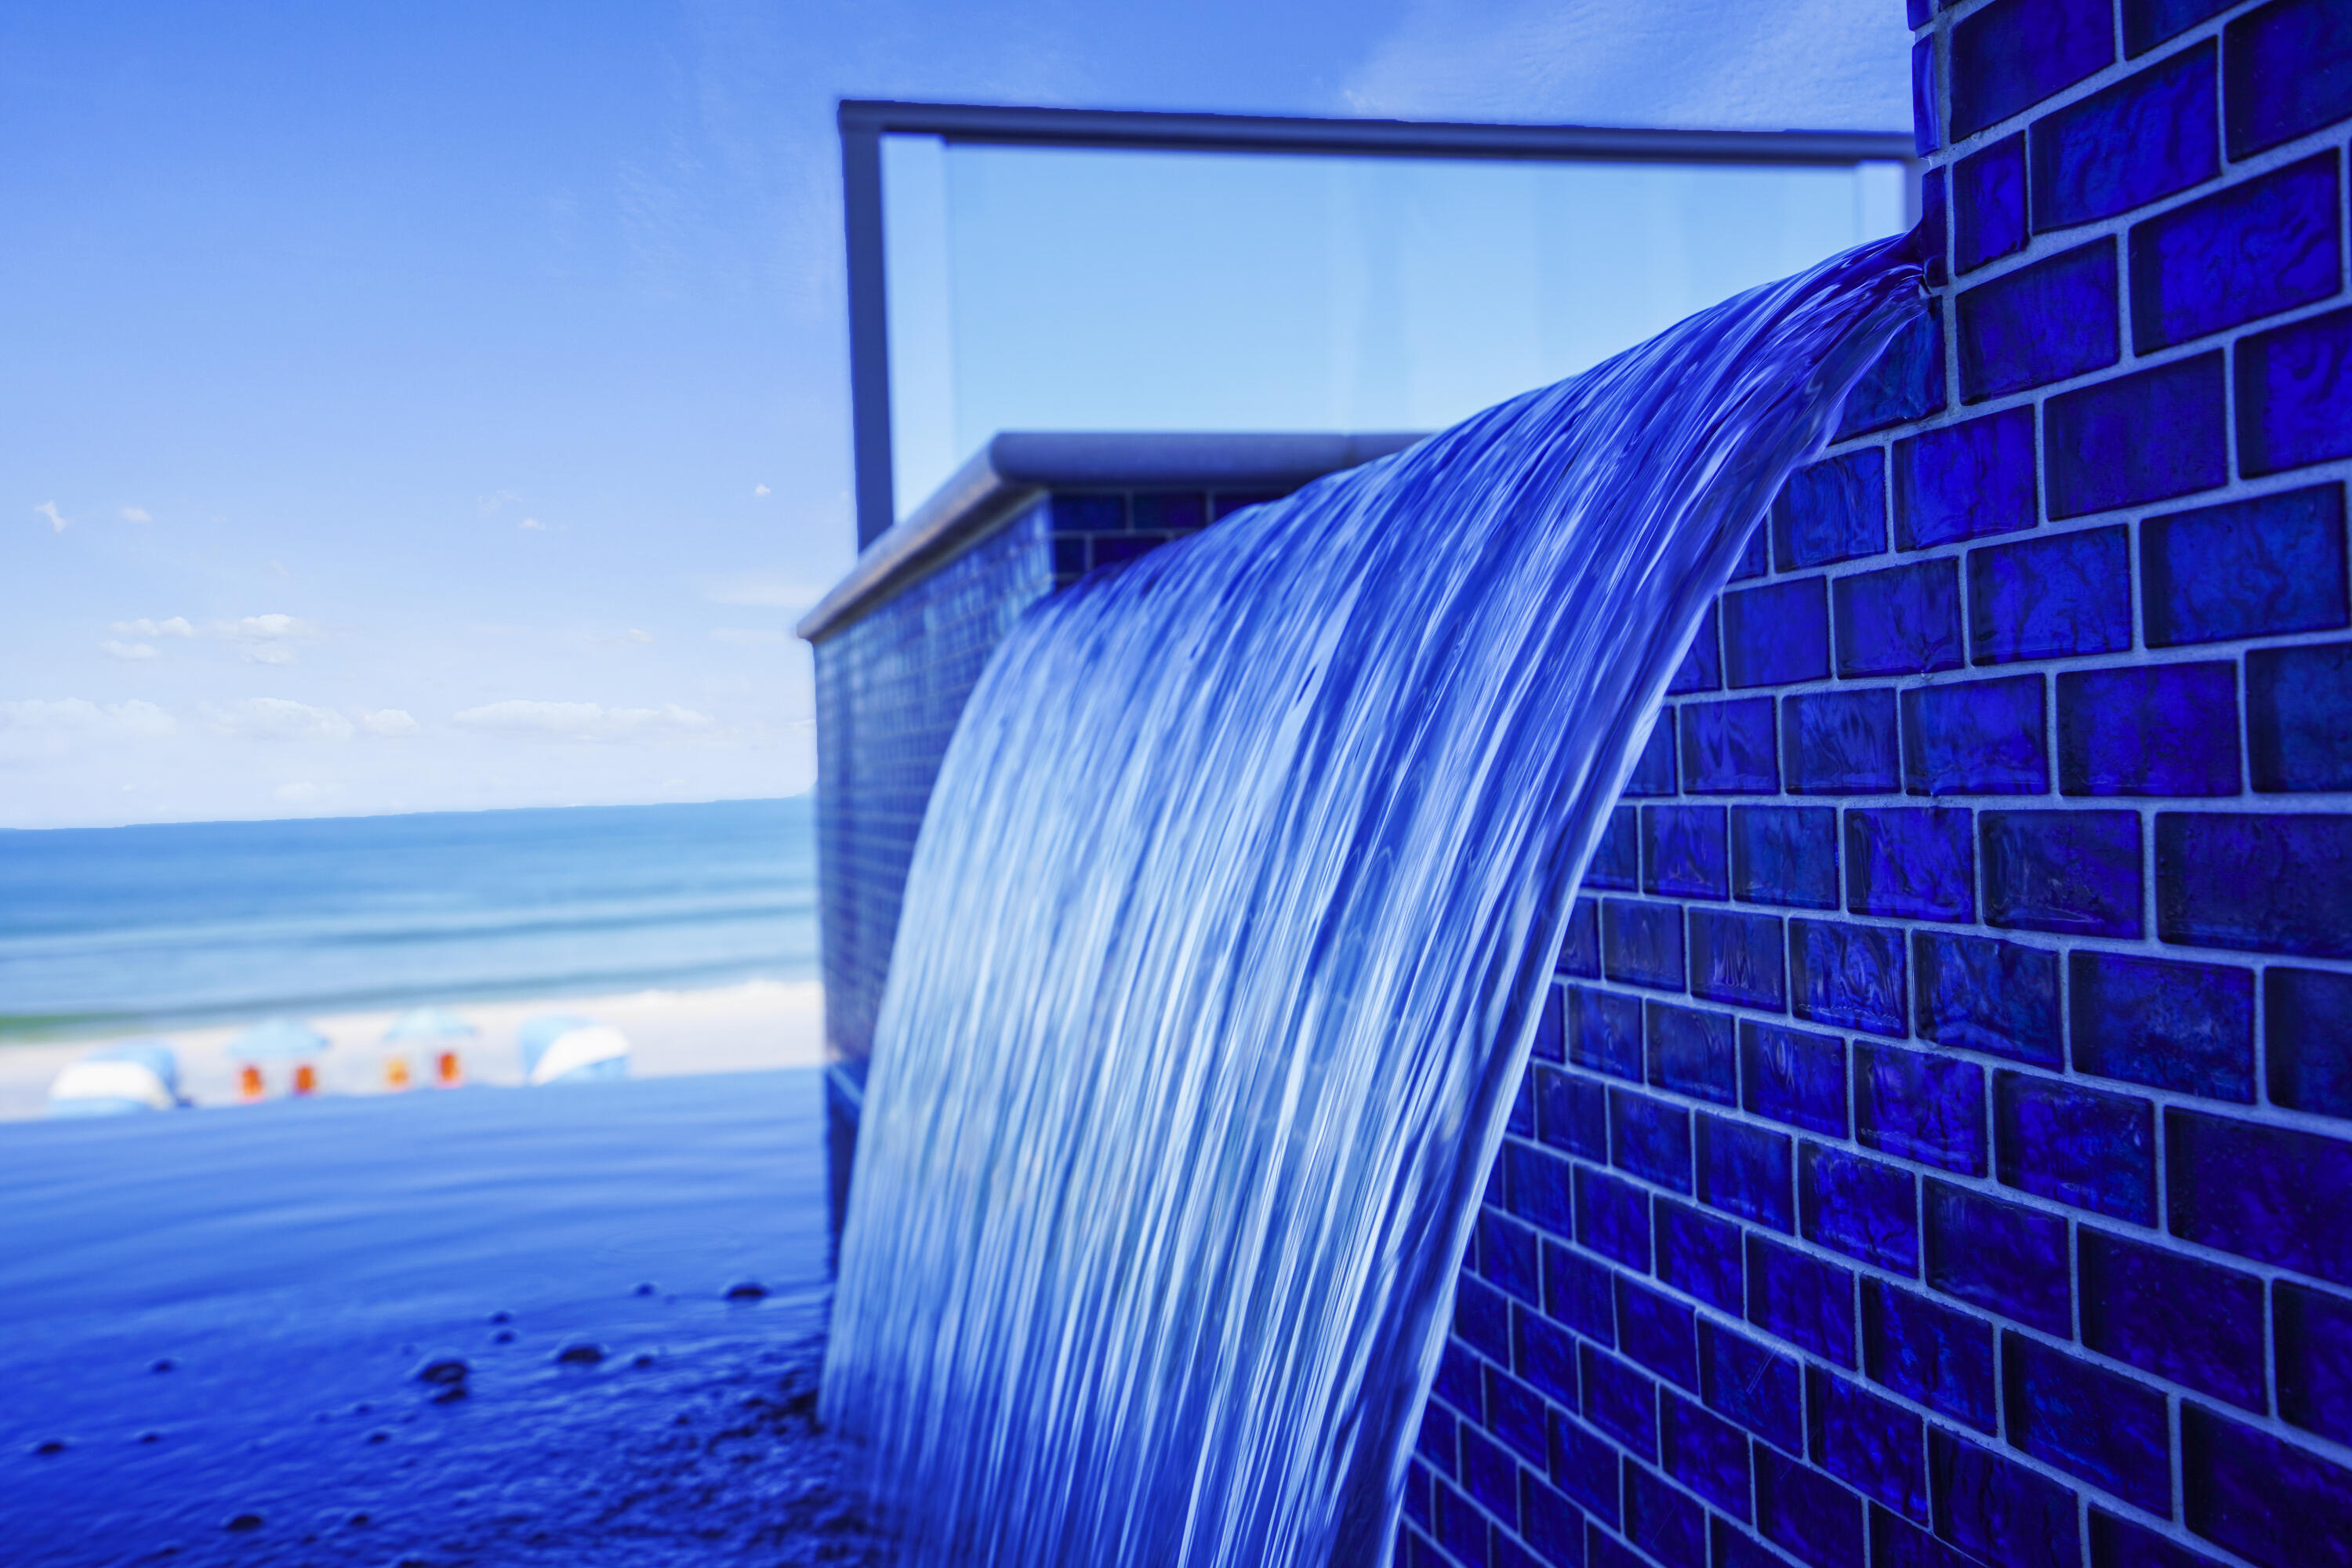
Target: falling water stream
(1227,938)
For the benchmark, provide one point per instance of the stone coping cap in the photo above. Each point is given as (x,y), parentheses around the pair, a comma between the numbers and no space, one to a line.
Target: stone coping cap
(1017,466)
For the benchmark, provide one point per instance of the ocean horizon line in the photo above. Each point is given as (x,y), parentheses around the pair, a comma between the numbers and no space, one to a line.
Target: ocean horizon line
(807,794)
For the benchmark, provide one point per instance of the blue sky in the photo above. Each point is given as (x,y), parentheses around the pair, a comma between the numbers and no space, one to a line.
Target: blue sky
(441,407)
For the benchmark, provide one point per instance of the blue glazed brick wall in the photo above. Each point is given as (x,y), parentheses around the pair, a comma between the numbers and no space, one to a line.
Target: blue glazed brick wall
(1939,1147)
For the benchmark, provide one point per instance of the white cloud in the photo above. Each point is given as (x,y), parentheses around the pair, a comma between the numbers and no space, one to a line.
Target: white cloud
(584,720)
(136,514)
(491,504)
(761,491)
(534,524)
(48,508)
(278,718)
(388,722)
(113,649)
(75,715)
(177,627)
(751,636)
(265,639)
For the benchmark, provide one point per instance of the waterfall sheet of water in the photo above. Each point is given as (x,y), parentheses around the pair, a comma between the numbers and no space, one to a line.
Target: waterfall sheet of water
(1226,939)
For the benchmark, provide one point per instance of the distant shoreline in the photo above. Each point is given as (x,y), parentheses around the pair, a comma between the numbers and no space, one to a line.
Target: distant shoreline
(742,1026)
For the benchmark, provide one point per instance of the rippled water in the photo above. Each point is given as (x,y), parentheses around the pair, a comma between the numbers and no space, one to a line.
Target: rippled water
(1225,939)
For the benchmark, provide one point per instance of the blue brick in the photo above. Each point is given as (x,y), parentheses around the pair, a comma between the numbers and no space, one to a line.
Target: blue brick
(2249,251)
(1843,742)
(2295,404)
(1745,1170)
(1699,1255)
(1584,1466)
(2155,730)
(1613,1218)
(2178,1317)
(1873,1445)
(1794,1075)
(1514,1411)
(2148,136)
(2252,568)
(2042,598)
(1620,1401)
(2077,1146)
(1755,558)
(1978,737)
(1654,774)
(1571,1113)
(1691,1052)
(1928,1352)
(1552,1525)
(1683,853)
(1807,1513)
(1734,1548)
(1657,1331)
(2299,717)
(1579,954)
(1848,975)
(1776,635)
(1538,1184)
(1650,1138)
(1905,620)
(2265,1500)
(1438,1440)
(1785,855)
(1999,1509)
(1926,102)
(2146,436)
(2286,69)
(1988,203)
(1506,1257)
(1832,510)
(1802,1300)
(1460,1382)
(1702,667)
(2315,1361)
(1616,861)
(1979,994)
(1919,1106)
(1911,863)
(2000,1257)
(2073,872)
(2147,23)
(1667,1526)
(1461,1527)
(1754,1386)
(1727,748)
(1966,481)
(2047,321)
(2183,1027)
(1521,1122)
(1642,944)
(1088,513)
(1482,1319)
(1705,1454)
(1863,1208)
(2012,54)
(1894,1544)
(1907,382)
(1490,1476)
(1168,511)
(1736,958)
(2264,884)
(2308,1032)
(2270,1194)
(1604,1030)
(2115,1543)
(1577,1292)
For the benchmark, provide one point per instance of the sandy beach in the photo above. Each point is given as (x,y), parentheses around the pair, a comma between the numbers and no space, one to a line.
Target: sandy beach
(732,1028)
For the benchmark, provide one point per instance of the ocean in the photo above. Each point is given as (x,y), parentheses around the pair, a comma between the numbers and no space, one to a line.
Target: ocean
(105,929)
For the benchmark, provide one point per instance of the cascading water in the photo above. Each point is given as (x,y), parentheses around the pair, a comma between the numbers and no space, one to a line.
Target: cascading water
(1227,938)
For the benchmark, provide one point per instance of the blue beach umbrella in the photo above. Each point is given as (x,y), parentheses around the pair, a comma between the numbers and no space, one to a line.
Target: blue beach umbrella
(560,1048)
(136,1075)
(278,1038)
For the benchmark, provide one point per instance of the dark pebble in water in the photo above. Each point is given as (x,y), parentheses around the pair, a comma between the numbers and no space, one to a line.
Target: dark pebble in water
(451,1395)
(50,1446)
(645,1290)
(503,1337)
(581,1354)
(358,1521)
(162,1364)
(643,1358)
(379,1436)
(150,1437)
(446,1370)
(502,1317)
(749,1290)
(243,1521)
